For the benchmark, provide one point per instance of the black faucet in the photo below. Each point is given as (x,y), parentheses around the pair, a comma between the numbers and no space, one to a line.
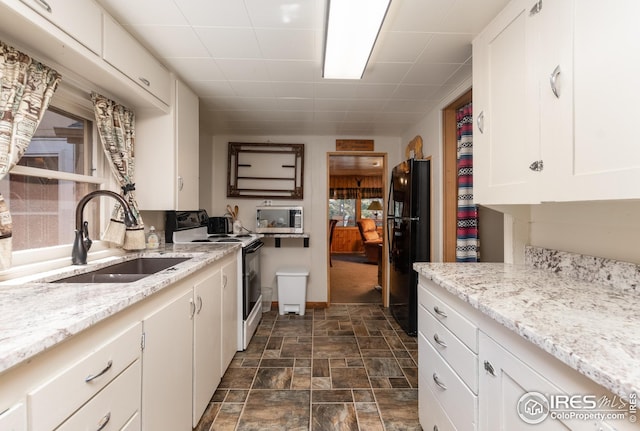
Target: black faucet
(82,242)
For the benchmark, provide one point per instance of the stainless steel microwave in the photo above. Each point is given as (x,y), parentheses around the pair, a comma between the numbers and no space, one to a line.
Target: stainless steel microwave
(279,219)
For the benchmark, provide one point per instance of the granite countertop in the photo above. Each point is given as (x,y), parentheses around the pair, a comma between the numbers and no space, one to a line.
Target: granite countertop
(37,315)
(592,327)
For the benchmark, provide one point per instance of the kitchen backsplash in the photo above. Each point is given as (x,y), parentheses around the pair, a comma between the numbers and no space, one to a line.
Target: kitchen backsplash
(621,275)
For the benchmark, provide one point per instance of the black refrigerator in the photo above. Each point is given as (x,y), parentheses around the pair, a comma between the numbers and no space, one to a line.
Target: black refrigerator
(409,236)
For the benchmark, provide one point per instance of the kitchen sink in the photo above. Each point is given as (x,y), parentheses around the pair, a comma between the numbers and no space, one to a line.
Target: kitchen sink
(125,272)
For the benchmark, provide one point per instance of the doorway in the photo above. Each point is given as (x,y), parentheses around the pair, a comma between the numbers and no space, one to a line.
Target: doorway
(356,245)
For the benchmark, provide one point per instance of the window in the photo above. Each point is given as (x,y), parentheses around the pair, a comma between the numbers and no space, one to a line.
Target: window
(343,210)
(55,172)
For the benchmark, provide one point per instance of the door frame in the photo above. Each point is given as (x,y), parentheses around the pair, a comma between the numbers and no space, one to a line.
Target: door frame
(385,191)
(450,176)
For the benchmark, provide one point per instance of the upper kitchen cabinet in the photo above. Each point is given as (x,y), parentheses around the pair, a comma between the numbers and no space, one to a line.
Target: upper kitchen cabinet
(64,14)
(167,154)
(551,99)
(519,61)
(124,53)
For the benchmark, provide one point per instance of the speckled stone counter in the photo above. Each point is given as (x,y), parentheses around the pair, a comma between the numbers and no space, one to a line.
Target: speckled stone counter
(592,326)
(35,316)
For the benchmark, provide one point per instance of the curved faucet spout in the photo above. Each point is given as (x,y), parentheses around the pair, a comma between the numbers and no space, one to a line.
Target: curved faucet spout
(82,242)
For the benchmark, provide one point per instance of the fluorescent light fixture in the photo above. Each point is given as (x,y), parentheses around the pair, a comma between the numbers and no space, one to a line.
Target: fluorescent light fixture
(352,30)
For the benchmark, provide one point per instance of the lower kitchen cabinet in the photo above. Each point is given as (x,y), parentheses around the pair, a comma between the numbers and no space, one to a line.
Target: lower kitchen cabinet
(14,418)
(230,318)
(475,374)
(167,365)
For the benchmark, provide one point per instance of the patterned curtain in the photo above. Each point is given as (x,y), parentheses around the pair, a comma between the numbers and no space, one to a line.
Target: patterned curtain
(467,243)
(116,126)
(26,89)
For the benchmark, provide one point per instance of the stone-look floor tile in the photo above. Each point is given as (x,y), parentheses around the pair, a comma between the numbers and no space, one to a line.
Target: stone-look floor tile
(399,382)
(250,362)
(363,396)
(274,343)
(335,347)
(398,409)
(219,395)
(278,363)
(328,417)
(368,417)
(340,333)
(412,376)
(237,396)
(337,362)
(321,368)
(208,417)
(227,417)
(285,410)
(355,362)
(380,382)
(320,383)
(332,396)
(237,378)
(303,362)
(376,353)
(360,330)
(292,328)
(301,378)
(296,350)
(349,378)
(373,343)
(271,354)
(273,378)
(394,342)
(387,367)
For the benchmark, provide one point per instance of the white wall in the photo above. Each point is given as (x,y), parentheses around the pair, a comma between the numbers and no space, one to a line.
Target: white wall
(213,180)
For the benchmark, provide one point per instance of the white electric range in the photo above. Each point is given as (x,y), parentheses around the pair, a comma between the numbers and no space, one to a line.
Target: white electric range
(191,228)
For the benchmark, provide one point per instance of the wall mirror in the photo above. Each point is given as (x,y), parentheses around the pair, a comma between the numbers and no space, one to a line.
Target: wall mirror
(265,170)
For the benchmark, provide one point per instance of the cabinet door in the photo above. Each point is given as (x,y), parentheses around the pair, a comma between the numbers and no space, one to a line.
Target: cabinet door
(229,303)
(81,20)
(124,53)
(187,136)
(207,370)
(167,360)
(606,163)
(14,418)
(502,387)
(506,117)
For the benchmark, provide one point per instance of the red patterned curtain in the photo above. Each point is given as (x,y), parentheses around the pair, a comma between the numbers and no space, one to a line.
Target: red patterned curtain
(467,243)
(26,89)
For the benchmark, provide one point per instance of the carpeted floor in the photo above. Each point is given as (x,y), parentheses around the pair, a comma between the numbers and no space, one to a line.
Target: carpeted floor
(353,280)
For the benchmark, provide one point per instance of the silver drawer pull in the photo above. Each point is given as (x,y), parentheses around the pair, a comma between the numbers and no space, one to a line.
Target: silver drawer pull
(437,339)
(199,307)
(104,421)
(553,81)
(439,312)
(91,377)
(480,122)
(438,382)
(45,5)
(145,81)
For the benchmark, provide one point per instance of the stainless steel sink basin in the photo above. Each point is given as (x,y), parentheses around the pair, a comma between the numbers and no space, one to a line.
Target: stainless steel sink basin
(125,272)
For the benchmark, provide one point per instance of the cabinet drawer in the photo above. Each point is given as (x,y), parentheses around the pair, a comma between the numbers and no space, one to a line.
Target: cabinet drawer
(462,328)
(14,418)
(463,361)
(432,415)
(454,396)
(47,408)
(124,53)
(82,20)
(113,407)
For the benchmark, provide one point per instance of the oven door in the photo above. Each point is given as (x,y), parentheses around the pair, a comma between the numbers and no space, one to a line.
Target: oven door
(251,277)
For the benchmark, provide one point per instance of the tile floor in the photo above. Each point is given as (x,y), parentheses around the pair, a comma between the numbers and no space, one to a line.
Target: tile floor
(346,367)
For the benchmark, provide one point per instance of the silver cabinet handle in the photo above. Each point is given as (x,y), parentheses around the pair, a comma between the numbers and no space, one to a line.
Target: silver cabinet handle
(224,280)
(553,78)
(435,428)
(439,312)
(437,339)
(489,368)
(104,421)
(536,8)
(438,382)
(537,166)
(91,377)
(45,5)
(192,309)
(480,122)
(180,183)
(145,81)
(199,308)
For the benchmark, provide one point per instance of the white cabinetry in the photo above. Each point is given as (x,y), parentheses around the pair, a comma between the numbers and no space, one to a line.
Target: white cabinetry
(207,334)
(230,287)
(167,365)
(551,103)
(124,53)
(82,380)
(167,147)
(80,20)
(14,418)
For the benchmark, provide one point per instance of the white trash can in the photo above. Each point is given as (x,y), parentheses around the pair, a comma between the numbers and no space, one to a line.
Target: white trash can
(292,290)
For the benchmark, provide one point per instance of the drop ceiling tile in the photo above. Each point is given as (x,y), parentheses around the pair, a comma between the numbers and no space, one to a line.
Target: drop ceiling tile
(287,44)
(169,41)
(430,74)
(293,70)
(145,12)
(212,88)
(282,13)
(293,89)
(215,13)
(366,105)
(385,73)
(400,46)
(447,48)
(331,104)
(243,70)
(417,15)
(409,91)
(195,69)
(334,90)
(374,91)
(295,104)
(470,16)
(229,42)
(252,89)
